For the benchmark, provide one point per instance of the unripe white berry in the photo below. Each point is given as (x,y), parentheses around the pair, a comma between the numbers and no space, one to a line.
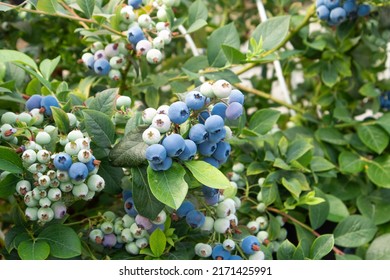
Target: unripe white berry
(158,43)
(151,136)
(166,35)
(143,47)
(222,88)
(206,89)
(144,21)
(154,56)
(148,115)
(162,123)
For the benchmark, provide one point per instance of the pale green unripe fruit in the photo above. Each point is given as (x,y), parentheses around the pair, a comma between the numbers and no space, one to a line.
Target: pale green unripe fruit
(142,243)
(31,213)
(208,225)
(45,214)
(132,248)
(123,101)
(80,190)
(253,226)
(23,187)
(9,118)
(29,156)
(127,221)
(221,225)
(203,250)
(126,236)
(222,88)
(206,89)
(74,135)
(262,236)
(259,255)
(43,138)
(45,202)
(229,244)
(29,200)
(24,117)
(96,236)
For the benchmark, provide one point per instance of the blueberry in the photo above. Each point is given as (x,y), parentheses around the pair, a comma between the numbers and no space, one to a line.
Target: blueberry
(135,3)
(154,56)
(222,152)
(96,183)
(163,166)
(350,7)
(228,244)
(162,123)
(185,208)
(235,258)
(236,96)
(174,145)
(320,2)
(59,209)
(209,192)
(338,15)
(109,240)
(96,236)
(143,47)
(195,100)
(203,116)
(222,88)
(195,218)
(189,151)
(126,194)
(178,112)
(143,222)
(214,124)
(33,102)
(151,136)
(363,10)
(217,137)
(234,111)
(219,109)
(198,133)
(62,161)
(203,250)
(102,66)
(78,171)
(130,208)
(156,153)
(213,200)
(250,245)
(10,117)
(323,12)
(331,4)
(207,148)
(219,253)
(47,102)
(91,165)
(222,225)
(135,34)
(212,161)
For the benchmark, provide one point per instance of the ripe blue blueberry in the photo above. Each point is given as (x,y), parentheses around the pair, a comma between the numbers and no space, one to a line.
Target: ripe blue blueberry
(363,10)
(189,151)
(135,3)
(250,245)
(102,66)
(91,165)
(78,171)
(33,102)
(323,12)
(217,137)
(198,133)
(350,7)
(320,2)
(203,116)
(234,111)
(222,152)
(331,4)
(135,34)
(130,207)
(126,194)
(178,112)
(235,258)
(174,144)
(236,96)
(219,253)
(213,200)
(143,222)
(195,218)
(337,15)
(156,153)
(195,100)
(164,165)
(47,102)
(214,124)
(62,161)
(185,208)
(219,109)
(212,161)
(207,148)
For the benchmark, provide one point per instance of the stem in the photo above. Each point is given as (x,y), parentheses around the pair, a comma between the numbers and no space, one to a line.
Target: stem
(70,10)
(82,221)
(336,250)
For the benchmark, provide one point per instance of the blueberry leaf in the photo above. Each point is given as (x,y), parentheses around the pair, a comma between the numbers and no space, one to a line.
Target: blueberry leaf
(100,127)
(157,242)
(321,246)
(33,250)
(7,185)
(105,101)
(207,174)
(10,161)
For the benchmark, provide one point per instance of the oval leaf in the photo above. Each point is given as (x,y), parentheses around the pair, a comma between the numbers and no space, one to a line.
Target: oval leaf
(15,56)
(10,161)
(61,119)
(100,128)
(33,250)
(263,121)
(373,137)
(157,242)
(378,171)
(379,248)
(207,174)
(321,246)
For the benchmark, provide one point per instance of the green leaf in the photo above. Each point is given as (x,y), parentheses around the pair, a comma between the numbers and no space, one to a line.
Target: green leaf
(255,168)
(10,161)
(152,97)
(293,186)
(369,90)
(207,174)
(378,171)
(270,194)
(34,73)
(319,213)
(321,246)
(15,56)
(48,66)
(329,74)
(33,250)
(297,149)
(331,135)
(272,31)
(157,242)
(144,200)
(233,55)
(347,257)
(105,101)
(379,248)
(197,11)
(226,35)
(337,209)
(375,206)
(7,185)
(350,162)
(87,7)
(384,122)
(112,177)
(130,151)
(169,186)
(263,120)
(198,24)
(196,63)
(373,137)
(48,6)
(4,8)
(286,251)
(64,242)
(319,164)
(61,119)
(354,231)
(100,128)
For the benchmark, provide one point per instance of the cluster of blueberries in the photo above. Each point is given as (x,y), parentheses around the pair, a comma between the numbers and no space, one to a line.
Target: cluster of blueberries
(58,177)
(337,11)
(141,28)
(207,135)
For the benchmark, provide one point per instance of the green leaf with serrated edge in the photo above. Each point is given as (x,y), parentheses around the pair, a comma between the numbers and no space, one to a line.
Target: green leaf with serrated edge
(145,202)
(10,161)
(105,101)
(373,137)
(272,32)
(207,174)
(129,152)
(61,119)
(197,10)
(263,120)
(331,135)
(318,213)
(100,127)
(48,66)
(293,186)
(112,177)
(378,171)
(379,248)
(233,55)
(337,209)
(48,6)
(157,242)
(64,241)
(7,185)
(15,56)
(319,164)
(226,35)
(198,24)
(169,187)
(350,162)
(286,251)
(384,122)
(87,7)
(369,90)
(321,246)
(33,250)
(354,231)
(297,149)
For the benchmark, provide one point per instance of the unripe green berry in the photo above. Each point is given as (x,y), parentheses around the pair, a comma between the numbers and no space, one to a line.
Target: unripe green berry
(8,118)
(107,227)
(96,236)
(29,156)
(43,138)
(24,117)
(23,187)
(132,248)
(45,202)
(208,225)
(74,135)
(31,213)
(142,243)
(45,214)
(29,200)
(96,183)
(43,156)
(54,194)
(127,221)
(80,190)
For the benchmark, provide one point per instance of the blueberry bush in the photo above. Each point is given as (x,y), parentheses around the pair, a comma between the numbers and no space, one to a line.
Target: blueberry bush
(178,129)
